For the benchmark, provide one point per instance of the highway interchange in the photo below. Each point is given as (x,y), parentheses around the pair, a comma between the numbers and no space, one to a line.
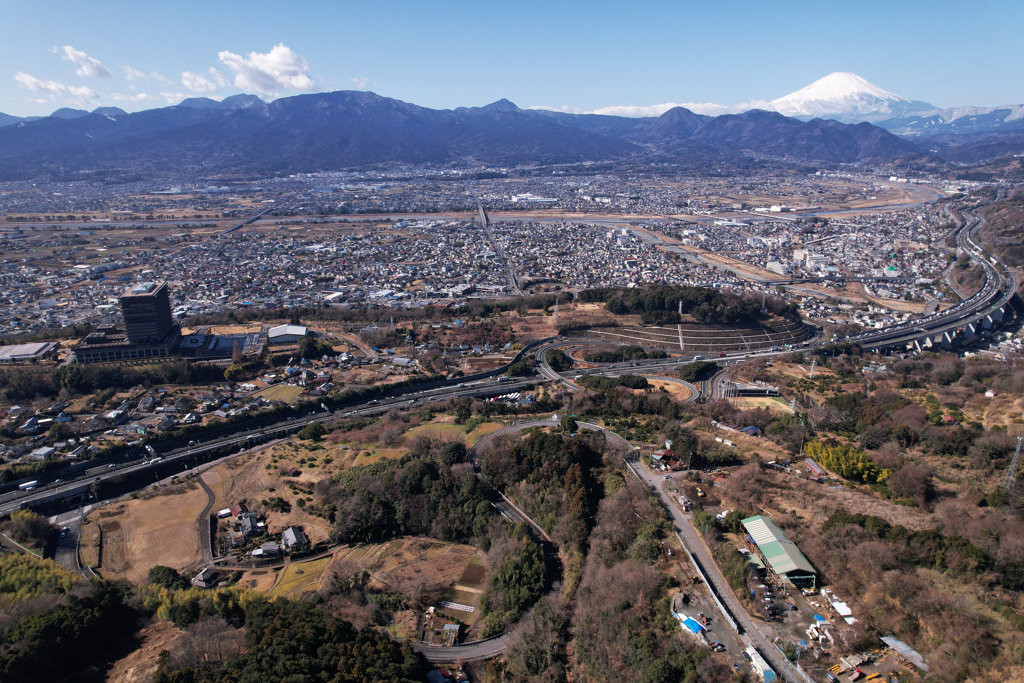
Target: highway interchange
(998,288)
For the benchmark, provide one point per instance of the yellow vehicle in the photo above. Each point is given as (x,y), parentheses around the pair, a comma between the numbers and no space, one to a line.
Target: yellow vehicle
(700,493)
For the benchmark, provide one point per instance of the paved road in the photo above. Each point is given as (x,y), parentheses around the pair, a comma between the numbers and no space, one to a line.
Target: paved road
(66,553)
(694,391)
(750,628)
(494,647)
(205,544)
(486,649)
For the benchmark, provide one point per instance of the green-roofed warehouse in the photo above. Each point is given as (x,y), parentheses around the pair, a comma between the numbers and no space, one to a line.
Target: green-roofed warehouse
(780,554)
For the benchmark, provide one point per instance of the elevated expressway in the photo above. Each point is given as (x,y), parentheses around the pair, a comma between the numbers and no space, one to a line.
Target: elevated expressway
(963,322)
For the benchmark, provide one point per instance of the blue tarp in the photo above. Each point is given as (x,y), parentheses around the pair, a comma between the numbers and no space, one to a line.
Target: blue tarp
(694,626)
(818,617)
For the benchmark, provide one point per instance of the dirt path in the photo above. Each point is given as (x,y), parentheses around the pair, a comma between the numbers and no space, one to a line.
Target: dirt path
(356,342)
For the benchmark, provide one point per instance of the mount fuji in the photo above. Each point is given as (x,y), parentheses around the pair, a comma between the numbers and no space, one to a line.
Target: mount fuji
(848,98)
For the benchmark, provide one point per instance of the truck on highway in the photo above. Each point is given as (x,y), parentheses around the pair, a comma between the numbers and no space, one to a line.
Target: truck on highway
(29,485)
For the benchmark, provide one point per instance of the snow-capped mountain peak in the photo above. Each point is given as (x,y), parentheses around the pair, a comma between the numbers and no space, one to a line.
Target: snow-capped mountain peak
(846,97)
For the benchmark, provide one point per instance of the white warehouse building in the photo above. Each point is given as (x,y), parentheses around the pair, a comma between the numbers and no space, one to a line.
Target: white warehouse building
(286,334)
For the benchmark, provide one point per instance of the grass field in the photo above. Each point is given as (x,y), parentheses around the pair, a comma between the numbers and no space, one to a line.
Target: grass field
(296,579)
(749,402)
(448,430)
(481,431)
(373,455)
(280,392)
(154,530)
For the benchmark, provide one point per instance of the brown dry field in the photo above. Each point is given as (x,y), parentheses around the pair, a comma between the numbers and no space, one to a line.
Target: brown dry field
(676,390)
(485,363)
(746,445)
(801,370)
(338,330)
(358,377)
(261,580)
(235,329)
(814,503)
(152,530)
(1002,410)
(280,392)
(88,547)
(534,325)
(246,479)
(404,564)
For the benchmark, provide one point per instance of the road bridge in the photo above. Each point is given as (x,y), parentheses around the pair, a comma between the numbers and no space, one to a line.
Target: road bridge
(247,221)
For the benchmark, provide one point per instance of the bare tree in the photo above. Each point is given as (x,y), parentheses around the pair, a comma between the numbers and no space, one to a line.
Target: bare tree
(206,643)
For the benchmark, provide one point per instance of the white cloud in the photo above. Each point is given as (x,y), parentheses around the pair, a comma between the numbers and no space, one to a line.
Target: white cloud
(173,97)
(363,83)
(270,73)
(565,109)
(55,89)
(636,111)
(199,83)
(140,97)
(132,74)
(136,75)
(87,66)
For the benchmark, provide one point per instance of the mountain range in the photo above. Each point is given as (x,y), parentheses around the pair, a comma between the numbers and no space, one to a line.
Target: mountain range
(344,129)
(357,128)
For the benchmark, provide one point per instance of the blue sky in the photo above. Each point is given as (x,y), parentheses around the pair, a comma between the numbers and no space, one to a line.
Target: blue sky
(580,56)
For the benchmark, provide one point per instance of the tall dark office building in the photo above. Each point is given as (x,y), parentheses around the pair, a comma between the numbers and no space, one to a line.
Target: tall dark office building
(146,309)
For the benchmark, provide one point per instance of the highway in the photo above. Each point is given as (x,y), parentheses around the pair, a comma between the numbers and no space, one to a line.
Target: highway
(995,293)
(187,455)
(513,279)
